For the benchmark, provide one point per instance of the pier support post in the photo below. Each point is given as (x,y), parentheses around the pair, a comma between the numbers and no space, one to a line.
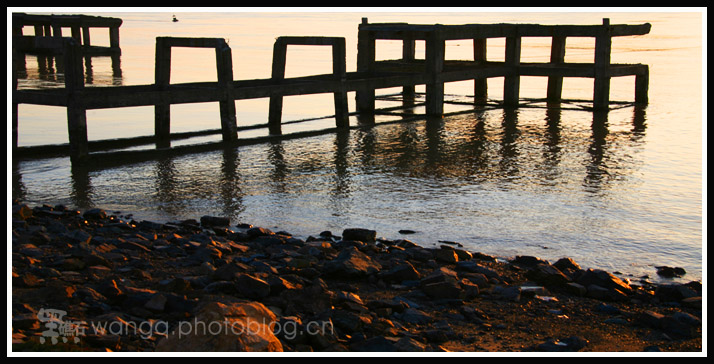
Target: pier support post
(480,84)
(114,38)
(275,110)
(557,57)
(227,106)
(511,83)
(365,63)
(15,56)
(408,54)
(603,48)
(339,71)
(56,31)
(85,36)
(76,112)
(162,110)
(642,84)
(434,66)
(224,70)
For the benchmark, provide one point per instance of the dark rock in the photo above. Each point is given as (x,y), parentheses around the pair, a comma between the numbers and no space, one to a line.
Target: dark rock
(156,303)
(474,267)
(605,294)
(670,272)
(376,344)
(211,221)
(178,285)
(404,243)
(258,231)
(547,275)
(454,243)
(478,279)
(130,245)
(77,237)
(566,263)
(448,256)
(352,263)
(528,261)
(674,292)
(469,290)
(436,336)
(574,289)
(110,289)
(676,326)
(693,302)
(349,321)
(28,280)
(227,287)
(482,256)
(22,212)
(230,271)
(603,279)
(444,289)
(650,319)
(393,305)
(207,254)
(441,274)
(408,344)
(419,254)
(414,316)
(349,297)
(97,214)
(279,284)
(359,234)
(252,287)
(308,300)
(608,309)
(463,254)
(401,271)
(510,293)
(570,344)
(149,225)
(407,231)
(687,318)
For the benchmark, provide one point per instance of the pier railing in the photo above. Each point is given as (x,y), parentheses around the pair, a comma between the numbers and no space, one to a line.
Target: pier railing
(50,26)
(433,71)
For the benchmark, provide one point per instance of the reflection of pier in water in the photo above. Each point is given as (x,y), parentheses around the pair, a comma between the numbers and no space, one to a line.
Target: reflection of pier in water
(488,146)
(433,72)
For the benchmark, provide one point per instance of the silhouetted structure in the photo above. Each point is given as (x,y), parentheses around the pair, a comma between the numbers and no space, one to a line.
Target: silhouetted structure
(433,71)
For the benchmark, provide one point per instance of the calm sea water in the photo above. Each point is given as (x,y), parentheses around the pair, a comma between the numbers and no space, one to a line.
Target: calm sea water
(552,183)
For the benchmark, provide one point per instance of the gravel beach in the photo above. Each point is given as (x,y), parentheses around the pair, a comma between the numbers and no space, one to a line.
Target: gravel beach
(100,281)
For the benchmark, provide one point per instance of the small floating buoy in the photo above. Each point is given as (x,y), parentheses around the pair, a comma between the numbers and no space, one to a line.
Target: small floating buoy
(174,18)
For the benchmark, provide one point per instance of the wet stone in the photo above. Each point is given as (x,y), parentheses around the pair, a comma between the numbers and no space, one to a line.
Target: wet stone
(97,214)
(215,221)
(670,272)
(528,261)
(566,263)
(570,344)
(446,255)
(352,263)
(359,234)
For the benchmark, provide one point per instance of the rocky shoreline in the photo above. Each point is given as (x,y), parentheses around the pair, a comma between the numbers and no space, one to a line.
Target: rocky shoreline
(95,281)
